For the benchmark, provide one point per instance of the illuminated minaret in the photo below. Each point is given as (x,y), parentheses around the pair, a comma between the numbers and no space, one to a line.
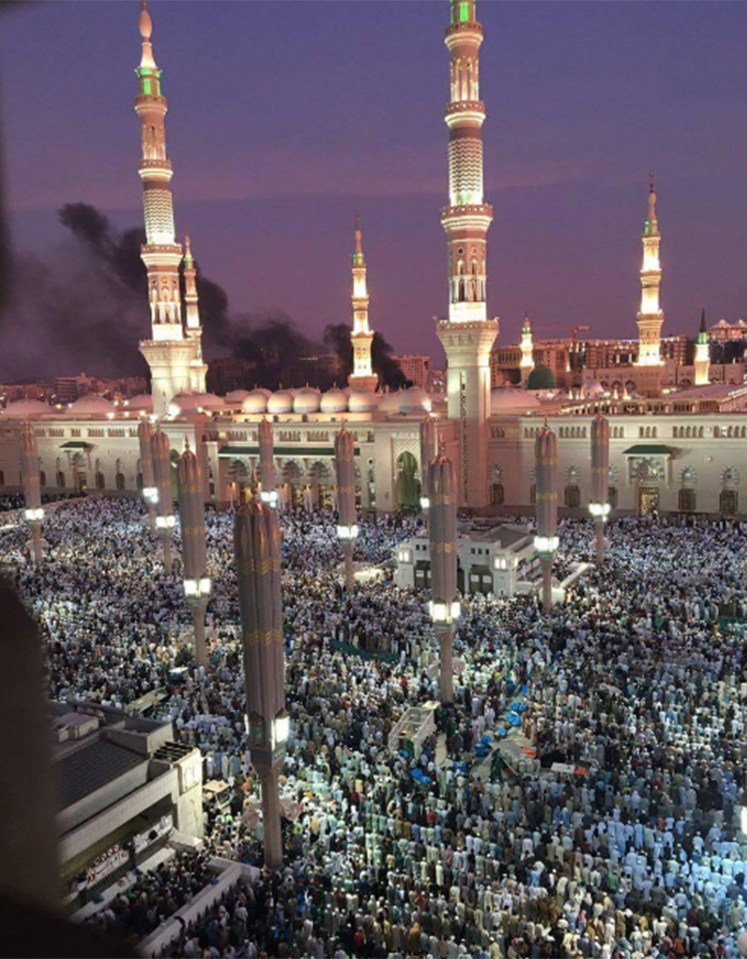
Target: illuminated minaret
(702,354)
(197,368)
(468,334)
(167,352)
(527,350)
(363,377)
(650,317)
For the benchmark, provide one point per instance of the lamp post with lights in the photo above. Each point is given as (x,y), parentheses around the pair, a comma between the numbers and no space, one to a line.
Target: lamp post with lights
(257,555)
(194,549)
(165,519)
(428,450)
(268,494)
(599,506)
(445,606)
(347,530)
(33,513)
(150,492)
(546,540)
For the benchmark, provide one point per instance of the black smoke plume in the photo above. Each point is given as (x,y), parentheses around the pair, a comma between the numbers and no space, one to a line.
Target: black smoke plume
(84,307)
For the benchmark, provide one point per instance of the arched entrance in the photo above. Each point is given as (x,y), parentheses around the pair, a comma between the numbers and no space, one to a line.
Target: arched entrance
(320,482)
(80,474)
(648,476)
(238,478)
(407,483)
(292,484)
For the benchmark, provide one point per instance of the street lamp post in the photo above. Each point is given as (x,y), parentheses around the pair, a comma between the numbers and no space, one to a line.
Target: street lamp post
(445,607)
(268,494)
(347,529)
(165,519)
(428,450)
(600,479)
(257,555)
(546,540)
(33,514)
(150,491)
(194,548)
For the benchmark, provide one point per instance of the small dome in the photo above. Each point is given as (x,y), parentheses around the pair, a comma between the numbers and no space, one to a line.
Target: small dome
(541,378)
(27,407)
(255,402)
(306,401)
(143,401)
(509,399)
(209,401)
(389,402)
(92,405)
(334,401)
(591,389)
(414,400)
(280,402)
(363,402)
(236,397)
(184,403)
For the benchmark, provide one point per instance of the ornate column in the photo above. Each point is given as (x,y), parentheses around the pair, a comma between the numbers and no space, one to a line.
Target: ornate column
(165,519)
(150,491)
(600,479)
(257,554)
(194,548)
(445,607)
(347,530)
(33,514)
(546,540)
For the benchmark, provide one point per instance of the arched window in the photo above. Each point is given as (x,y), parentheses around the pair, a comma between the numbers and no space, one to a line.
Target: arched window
(42,479)
(100,481)
(119,480)
(686,500)
(728,502)
(612,496)
(60,479)
(139,482)
(497,494)
(572,496)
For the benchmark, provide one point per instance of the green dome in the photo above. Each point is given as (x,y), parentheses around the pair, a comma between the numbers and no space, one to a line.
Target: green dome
(541,378)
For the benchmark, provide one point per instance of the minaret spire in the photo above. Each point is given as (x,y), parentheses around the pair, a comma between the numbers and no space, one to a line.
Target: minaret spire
(363,377)
(702,360)
(650,318)
(198,369)
(467,336)
(526,365)
(166,351)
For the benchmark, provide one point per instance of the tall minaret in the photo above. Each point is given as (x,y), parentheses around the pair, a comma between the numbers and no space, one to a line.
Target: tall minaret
(702,354)
(468,334)
(197,368)
(167,352)
(363,377)
(650,317)
(526,364)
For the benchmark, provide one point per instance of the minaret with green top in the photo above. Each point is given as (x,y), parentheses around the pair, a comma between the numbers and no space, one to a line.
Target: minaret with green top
(167,352)
(467,335)
(702,360)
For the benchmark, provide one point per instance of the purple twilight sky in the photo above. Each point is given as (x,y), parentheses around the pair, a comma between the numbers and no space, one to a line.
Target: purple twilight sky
(287,117)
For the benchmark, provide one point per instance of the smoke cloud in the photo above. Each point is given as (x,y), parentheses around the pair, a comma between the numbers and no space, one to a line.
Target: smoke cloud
(84,307)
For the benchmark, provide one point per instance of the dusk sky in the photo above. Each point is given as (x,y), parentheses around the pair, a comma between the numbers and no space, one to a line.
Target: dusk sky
(287,117)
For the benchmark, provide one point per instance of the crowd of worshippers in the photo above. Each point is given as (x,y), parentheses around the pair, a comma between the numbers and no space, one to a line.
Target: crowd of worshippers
(616,835)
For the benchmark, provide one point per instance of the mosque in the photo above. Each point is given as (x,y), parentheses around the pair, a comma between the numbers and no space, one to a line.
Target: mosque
(671,448)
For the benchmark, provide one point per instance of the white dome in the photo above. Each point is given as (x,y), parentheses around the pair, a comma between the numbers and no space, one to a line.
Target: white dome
(414,400)
(92,405)
(334,401)
(591,389)
(256,401)
(363,402)
(143,401)
(280,402)
(184,403)
(389,402)
(507,399)
(236,397)
(306,400)
(209,401)
(27,407)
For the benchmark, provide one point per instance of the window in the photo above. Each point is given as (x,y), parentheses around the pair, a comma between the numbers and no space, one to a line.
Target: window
(728,502)
(612,496)
(139,481)
(60,479)
(686,500)
(572,496)
(120,481)
(100,481)
(42,479)
(497,494)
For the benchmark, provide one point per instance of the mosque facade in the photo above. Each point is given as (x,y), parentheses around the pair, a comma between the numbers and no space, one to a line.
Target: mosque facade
(671,448)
